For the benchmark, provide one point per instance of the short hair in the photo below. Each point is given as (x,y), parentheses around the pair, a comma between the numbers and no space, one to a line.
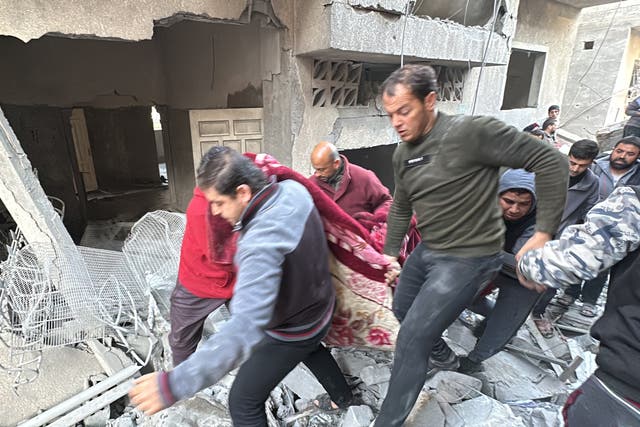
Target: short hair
(553,107)
(518,191)
(224,169)
(584,149)
(633,140)
(420,79)
(548,123)
(537,132)
(531,127)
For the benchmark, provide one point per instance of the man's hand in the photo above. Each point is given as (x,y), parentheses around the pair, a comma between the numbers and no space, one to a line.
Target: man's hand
(536,241)
(539,288)
(393,271)
(145,394)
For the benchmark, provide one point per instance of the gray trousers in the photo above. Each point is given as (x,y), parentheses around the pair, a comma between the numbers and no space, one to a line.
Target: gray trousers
(594,405)
(187,314)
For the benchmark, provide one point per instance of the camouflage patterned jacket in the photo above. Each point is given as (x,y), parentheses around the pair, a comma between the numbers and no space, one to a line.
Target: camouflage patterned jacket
(610,237)
(611,230)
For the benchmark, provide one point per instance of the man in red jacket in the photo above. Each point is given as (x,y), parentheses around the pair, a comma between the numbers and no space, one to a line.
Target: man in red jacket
(206,276)
(356,190)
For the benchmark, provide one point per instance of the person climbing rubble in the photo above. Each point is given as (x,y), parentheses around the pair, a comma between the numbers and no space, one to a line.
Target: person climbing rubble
(283,298)
(446,170)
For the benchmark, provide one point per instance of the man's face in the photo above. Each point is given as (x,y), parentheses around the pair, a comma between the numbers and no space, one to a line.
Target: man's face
(228,207)
(325,168)
(623,156)
(578,166)
(515,206)
(554,114)
(411,117)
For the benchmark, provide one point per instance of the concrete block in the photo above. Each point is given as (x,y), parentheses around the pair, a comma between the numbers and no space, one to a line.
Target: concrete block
(454,387)
(486,412)
(426,412)
(302,382)
(375,374)
(357,416)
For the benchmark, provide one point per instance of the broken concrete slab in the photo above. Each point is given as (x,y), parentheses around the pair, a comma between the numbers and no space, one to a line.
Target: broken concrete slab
(357,416)
(303,383)
(426,412)
(454,387)
(515,378)
(191,412)
(375,374)
(486,412)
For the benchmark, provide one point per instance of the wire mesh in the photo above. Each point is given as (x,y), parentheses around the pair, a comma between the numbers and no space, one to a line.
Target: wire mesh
(152,252)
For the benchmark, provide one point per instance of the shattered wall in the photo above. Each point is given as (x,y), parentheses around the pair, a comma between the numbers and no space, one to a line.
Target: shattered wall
(130,20)
(600,76)
(544,26)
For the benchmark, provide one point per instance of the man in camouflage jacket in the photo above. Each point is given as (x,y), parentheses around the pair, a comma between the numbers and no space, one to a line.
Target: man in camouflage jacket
(610,237)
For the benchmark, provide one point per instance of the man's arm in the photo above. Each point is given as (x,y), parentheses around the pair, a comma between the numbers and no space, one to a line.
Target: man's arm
(397,222)
(503,145)
(611,230)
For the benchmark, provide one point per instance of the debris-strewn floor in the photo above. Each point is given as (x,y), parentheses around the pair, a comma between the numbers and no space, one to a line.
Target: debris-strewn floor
(513,389)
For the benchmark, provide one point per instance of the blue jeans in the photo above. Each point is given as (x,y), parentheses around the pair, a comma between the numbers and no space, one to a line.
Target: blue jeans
(433,290)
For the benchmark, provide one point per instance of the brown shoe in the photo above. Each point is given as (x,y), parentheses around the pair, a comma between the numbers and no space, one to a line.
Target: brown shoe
(544,326)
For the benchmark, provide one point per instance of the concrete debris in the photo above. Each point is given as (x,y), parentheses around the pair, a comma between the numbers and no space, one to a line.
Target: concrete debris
(357,416)
(453,387)
(486,412)
(426,412)
(302,382)
(375,374)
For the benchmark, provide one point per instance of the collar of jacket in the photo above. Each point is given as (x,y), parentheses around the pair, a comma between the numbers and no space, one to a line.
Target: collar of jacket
(586,182)
(255,204)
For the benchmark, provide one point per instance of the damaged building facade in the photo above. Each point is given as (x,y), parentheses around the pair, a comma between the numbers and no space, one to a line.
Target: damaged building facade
(114,106)
(278,76)
(604,74)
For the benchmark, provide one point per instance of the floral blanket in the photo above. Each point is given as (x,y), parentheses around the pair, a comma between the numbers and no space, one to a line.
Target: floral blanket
(363,316)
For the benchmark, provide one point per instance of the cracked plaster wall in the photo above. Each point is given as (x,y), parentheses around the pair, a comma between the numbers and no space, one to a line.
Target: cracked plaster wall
(130,20)
(598,78)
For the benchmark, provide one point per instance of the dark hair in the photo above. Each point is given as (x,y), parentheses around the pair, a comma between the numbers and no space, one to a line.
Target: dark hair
(585,149)
(420,79)
(553,107)
(549,122)
(633,140)
(537,132)
(518,191)
(224,169)
(531,127)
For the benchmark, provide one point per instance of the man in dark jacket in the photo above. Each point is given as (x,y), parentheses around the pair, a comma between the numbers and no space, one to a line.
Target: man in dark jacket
(582,195)
(618,169)
(282,303)
(517,198)
(609,237)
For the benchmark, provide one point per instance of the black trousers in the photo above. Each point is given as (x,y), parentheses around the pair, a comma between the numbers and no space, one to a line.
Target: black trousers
(270,362)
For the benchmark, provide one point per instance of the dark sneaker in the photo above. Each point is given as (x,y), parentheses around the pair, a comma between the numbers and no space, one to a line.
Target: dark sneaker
(468,366)
(451,363)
